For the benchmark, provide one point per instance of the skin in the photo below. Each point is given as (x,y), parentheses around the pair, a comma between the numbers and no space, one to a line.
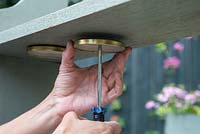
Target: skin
(75,89)
(83,126)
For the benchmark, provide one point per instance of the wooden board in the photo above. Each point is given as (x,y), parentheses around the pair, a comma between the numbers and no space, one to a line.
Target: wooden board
(134,22)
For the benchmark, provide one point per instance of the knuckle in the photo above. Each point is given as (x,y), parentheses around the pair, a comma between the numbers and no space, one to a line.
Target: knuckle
(119,93)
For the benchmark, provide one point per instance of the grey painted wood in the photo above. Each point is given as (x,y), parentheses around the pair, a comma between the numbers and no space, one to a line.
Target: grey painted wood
(27,10)
(134,22)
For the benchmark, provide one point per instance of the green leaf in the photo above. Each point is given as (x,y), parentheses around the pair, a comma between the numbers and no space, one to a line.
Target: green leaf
(181,86)
(163,111)
(121,122)
(152,132)
(197,110)
(116,105)
(161,47)
(124,87)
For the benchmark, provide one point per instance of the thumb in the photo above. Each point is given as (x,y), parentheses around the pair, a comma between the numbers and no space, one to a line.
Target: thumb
(68,55)
(69,118)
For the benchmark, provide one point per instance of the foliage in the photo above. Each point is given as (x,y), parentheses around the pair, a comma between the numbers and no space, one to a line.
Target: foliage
(116,105)
(124,87)
(119,119)
(152,132)
(168,101)
(160,47)
(175,100)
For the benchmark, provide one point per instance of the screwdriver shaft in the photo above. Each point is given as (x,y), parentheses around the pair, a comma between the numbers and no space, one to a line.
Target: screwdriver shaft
(99,92)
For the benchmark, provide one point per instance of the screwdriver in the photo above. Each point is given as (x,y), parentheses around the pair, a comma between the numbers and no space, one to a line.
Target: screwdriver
(99,111)
(99,45)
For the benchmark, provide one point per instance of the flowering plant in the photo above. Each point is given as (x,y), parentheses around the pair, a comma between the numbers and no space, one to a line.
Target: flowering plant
(170,62)
(176,100)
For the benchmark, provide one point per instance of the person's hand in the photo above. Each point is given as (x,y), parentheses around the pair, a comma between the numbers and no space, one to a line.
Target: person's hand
(76,88)
(72,124)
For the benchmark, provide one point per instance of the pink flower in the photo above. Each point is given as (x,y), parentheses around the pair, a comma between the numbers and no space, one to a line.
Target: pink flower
(180,93)
(171,62)
(179,47)
(169,91)
(190,98)
(162,98)
(150,105)
(197,93)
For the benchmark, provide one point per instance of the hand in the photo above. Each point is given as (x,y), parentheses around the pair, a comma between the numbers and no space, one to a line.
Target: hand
(71,124)
(76,88)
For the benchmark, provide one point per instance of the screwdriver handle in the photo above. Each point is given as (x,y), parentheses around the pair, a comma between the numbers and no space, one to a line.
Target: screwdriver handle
(98,113)
(98,117)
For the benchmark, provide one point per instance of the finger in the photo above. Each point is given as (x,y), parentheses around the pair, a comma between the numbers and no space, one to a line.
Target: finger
(70,116)
(116,91)
(105,91)
(111,81)
(120,58)
(127,52)
(68,55)
(117,61)
(115,126)
(124,54)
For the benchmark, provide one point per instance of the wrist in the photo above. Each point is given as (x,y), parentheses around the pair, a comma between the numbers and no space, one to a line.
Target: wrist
(40,120)
(62,102)
(46,115)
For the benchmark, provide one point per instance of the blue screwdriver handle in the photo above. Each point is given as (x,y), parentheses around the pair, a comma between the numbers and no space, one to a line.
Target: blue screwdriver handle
(98,114)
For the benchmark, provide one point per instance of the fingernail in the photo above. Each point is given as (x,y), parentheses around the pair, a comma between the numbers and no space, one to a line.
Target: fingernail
(69,42)
(129,48)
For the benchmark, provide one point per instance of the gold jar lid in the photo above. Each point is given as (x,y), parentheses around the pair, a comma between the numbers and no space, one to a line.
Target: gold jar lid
(108,46)
(51,52)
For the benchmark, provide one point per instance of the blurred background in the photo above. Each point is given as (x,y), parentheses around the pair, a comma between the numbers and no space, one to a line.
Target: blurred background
(7,3)
(142,109)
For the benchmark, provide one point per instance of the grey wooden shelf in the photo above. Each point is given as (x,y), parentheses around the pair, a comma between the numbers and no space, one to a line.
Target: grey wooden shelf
(134,22)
